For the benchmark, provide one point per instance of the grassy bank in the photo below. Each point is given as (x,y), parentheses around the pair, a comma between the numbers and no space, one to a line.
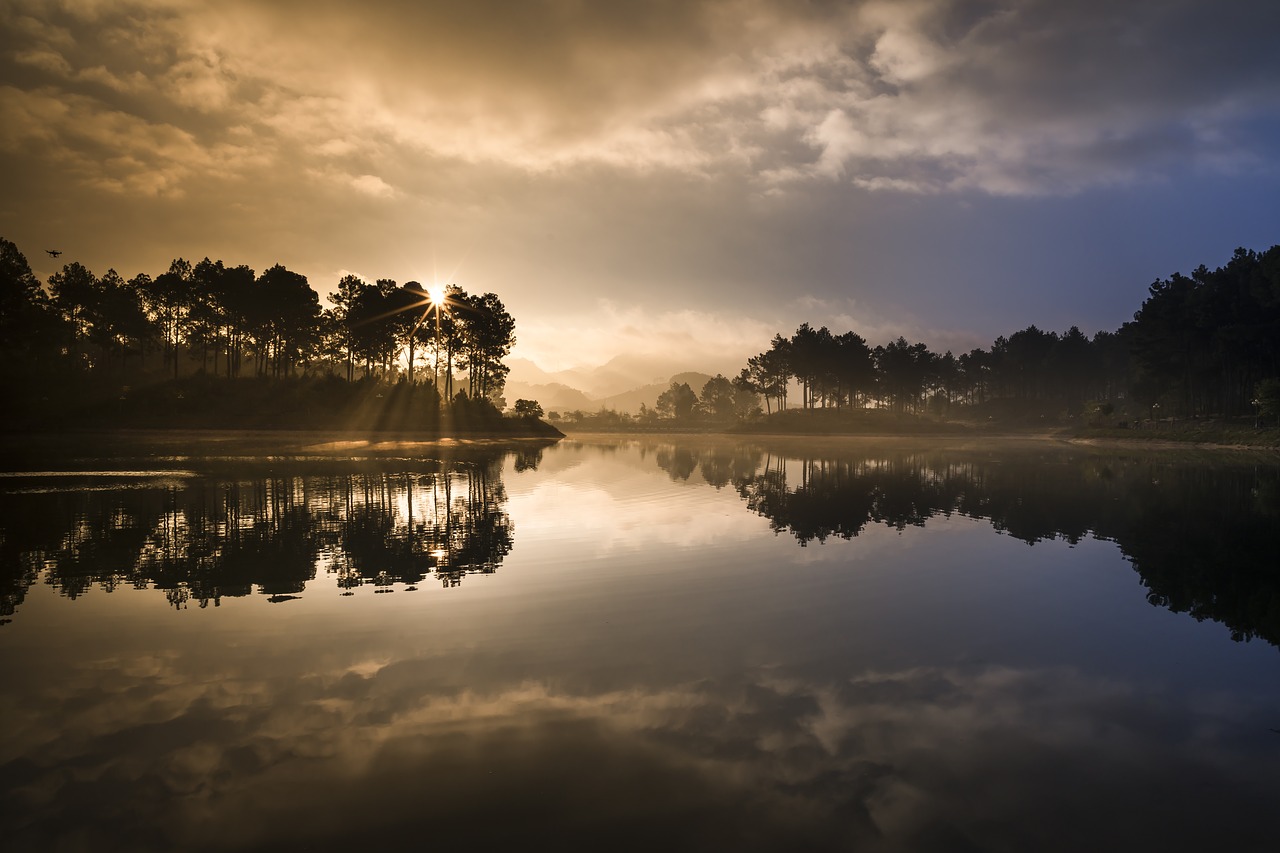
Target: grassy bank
(850,422)
(1022,421)
(1206,431)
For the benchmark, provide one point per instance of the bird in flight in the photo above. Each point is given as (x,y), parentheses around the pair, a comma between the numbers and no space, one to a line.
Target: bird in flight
(53,253)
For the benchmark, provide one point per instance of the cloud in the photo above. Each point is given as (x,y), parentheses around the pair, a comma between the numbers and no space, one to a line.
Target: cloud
(112,150)
(708,340)
(695,338)
(1019,97)
(677,155)
(237,756)
(373,185)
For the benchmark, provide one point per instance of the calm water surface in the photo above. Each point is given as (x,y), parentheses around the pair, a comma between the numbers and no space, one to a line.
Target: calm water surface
(635,644)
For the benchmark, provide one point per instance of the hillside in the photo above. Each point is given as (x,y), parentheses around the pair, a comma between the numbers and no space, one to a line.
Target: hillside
(580,390)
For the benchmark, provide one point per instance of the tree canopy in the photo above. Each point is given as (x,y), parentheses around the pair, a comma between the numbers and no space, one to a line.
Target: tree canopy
(215,319)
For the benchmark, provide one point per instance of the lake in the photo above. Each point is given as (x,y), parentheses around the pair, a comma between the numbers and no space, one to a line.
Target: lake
(633,643)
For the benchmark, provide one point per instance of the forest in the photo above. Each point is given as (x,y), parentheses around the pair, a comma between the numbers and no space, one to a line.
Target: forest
(152,350)
(109,349)
(1199,345)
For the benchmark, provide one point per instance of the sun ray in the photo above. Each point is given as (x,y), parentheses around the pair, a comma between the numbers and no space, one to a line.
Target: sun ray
(418,324)
(424,303)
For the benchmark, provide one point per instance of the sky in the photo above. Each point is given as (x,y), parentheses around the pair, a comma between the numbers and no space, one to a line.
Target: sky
(665,177)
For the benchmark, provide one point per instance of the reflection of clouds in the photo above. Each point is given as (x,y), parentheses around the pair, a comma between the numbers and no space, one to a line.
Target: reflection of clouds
(925,758)
(649,514)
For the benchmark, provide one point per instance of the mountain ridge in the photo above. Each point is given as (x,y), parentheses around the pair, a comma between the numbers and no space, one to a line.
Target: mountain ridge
(622,384)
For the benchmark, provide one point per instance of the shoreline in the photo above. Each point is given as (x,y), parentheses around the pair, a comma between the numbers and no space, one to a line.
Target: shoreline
(1014,441)
(1064,435)
(17,446)
(321,443)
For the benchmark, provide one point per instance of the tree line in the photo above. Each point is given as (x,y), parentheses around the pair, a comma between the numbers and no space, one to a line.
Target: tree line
(843,371)
(215,319)
(1208,343)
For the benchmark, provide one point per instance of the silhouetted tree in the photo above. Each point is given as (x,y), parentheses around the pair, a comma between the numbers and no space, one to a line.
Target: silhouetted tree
(1205,340)
(488,336)
(32,332)
(716,399)
(678,401)
(528,408)
(167,300)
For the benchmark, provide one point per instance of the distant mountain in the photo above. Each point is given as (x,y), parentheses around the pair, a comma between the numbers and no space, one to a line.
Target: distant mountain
(620,375)
(625,372)
(621,384)
(525,371)
(691,378)
(629,401)
(554,396)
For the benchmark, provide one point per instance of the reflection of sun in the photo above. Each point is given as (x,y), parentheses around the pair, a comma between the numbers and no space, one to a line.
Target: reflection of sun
(436,294)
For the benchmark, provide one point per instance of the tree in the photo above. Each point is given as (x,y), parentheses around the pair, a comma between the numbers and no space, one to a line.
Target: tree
(1203,340)
(746,400)
(167,300)
(950,379)
(716,399)
(488,336)
(75,296)
(28,322)
(285,324)
(1267,395)
(120,323)
(855,370)
(905,372)
(528,408)
(806,357)
(678,401)
(1022,362)
(347,338)
(769,373)
(366,321)
(410,306)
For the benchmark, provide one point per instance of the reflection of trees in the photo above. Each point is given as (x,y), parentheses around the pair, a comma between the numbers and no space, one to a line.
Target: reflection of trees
(840,497)
(203,539)
(1202,538)
(400,528)
(528,458)
(720,465)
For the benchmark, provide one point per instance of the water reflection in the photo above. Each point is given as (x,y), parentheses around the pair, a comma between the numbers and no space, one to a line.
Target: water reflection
(201,539)
(929,758)
(1202,536)
(926,685)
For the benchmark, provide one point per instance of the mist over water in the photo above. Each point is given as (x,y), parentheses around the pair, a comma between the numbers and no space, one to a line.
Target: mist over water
(619,644)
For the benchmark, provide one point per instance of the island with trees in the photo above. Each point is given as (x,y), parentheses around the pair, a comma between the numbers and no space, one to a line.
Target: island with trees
(210,345)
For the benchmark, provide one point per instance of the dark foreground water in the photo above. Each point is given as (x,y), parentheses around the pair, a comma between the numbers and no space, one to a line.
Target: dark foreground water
(642,645)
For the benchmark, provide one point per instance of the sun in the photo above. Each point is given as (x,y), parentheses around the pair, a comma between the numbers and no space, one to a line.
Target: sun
(436,294)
